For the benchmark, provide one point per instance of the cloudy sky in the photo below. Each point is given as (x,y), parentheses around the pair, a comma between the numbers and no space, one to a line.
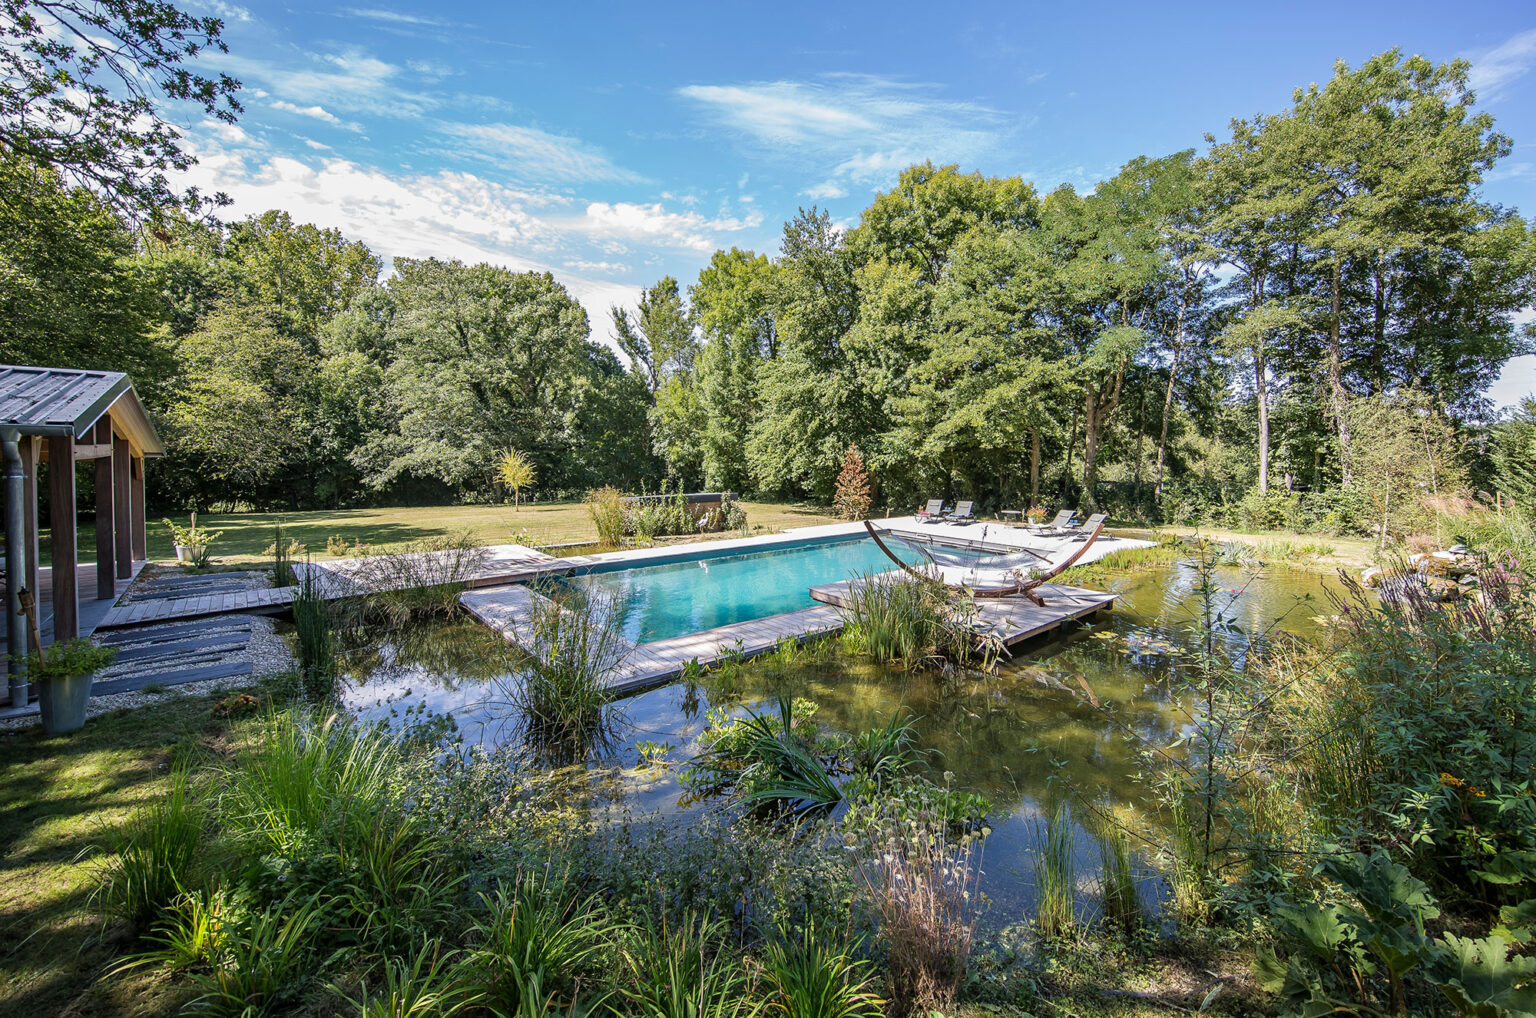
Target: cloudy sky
(612,144)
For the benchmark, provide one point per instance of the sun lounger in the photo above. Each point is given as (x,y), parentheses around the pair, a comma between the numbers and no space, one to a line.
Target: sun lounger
(964,513)
(1089,525)
(1063,521)
(933,513)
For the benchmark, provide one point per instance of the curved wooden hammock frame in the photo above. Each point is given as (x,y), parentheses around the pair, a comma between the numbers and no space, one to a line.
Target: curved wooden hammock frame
(1025,587)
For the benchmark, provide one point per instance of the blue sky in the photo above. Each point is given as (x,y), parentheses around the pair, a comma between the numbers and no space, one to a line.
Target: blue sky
(615,143)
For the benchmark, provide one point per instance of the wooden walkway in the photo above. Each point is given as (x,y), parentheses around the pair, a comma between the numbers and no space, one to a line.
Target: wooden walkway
(509,610)
(635,667)
(498,564)
(1014,619)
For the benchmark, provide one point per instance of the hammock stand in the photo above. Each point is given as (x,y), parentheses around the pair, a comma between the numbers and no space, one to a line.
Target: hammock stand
(1024,587)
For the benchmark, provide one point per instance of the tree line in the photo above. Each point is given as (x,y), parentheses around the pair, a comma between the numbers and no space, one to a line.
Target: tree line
(1202,327)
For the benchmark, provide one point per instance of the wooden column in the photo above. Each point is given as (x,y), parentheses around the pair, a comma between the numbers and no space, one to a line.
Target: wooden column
(122,515)
(31,452)
(136,510)
(106,565)
(61,521)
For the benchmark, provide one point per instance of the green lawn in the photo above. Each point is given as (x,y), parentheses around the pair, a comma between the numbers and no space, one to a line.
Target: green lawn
(247,535)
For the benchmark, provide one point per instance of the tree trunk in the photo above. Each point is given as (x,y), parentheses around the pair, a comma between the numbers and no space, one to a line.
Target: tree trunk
(1336,370)
(1141,433)
(1066,477)
(1090,448)
(1034,468)
(1261,388)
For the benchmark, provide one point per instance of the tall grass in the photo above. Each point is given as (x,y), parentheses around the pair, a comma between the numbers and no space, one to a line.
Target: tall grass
(1055,867)
(263,962)
(606,507)
(894,620)
(679,971)
(817,975)
(538,941)
(156,857)
(425,984)
(574,651)
(315,633)
(419,580)
(282,559)
(1118,897)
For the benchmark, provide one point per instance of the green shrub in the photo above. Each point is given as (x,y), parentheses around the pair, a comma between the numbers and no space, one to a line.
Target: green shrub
(68,658)
(682,971)
(1272,510)
(818,975)
(538,943)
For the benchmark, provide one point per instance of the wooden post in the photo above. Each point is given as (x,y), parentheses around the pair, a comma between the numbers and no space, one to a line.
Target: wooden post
(30,454)
(140,536)
(106,566)
(62,537)
(122,515)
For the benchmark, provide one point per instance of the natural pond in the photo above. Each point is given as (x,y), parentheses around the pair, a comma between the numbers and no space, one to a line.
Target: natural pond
(1024,737)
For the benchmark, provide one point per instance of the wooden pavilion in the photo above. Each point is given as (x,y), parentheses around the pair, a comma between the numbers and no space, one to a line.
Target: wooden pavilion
(66,416)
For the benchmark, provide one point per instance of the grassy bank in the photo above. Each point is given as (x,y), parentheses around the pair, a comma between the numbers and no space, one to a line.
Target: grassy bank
(246,535)
(1310,551)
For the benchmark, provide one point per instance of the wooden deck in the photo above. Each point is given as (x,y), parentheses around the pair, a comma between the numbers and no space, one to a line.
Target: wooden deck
(509,611)
(1014,619)
(499,564)
(635,667)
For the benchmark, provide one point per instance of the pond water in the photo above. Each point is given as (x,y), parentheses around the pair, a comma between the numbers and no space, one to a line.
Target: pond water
(1024,737)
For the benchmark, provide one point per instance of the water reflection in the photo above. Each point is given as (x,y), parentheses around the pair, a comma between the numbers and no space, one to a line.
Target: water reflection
(1022,737)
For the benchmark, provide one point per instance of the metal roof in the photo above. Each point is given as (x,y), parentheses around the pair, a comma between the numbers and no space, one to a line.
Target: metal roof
(68,401)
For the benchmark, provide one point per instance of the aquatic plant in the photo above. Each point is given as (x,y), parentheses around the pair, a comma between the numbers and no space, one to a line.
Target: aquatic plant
(1118,897)
(1055,869)
(314,629)
(894,620)
(771,762)
(418,580)
(561,699)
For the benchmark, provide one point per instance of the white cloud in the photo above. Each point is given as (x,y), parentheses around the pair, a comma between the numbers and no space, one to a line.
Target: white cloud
(444,215)
(397,17)
(825,190)
(317,112)
(538,154)
(1493,70)
(350,80)
(581,265)
(655,225)
(857,128)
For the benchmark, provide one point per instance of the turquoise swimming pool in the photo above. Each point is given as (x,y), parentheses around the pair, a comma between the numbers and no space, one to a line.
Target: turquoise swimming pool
(677,598)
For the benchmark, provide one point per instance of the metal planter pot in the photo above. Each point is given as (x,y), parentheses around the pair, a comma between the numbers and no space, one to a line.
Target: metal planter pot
(62,703)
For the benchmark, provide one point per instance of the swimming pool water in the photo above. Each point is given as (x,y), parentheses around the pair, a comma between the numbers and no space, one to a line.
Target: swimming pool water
(662,601)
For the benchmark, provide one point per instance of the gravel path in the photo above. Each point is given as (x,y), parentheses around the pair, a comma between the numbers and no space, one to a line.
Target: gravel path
(267,651)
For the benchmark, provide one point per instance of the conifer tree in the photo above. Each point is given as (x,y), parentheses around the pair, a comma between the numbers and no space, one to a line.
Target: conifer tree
(853,498)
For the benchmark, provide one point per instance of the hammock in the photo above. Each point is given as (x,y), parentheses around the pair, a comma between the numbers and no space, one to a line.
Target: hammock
(1015,569)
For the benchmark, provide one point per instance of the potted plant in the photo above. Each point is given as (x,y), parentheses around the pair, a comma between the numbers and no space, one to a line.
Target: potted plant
(63,673)
(192,544)
(1036,514)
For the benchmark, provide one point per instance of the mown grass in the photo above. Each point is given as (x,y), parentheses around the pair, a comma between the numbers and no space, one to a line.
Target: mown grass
(246,536)
(61,799)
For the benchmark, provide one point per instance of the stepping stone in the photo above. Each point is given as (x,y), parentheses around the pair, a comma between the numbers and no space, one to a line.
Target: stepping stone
(127,685)
(160,650)
(125,637)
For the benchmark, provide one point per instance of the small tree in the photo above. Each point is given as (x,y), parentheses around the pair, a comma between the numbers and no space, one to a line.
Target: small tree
(853,499)
(515,471)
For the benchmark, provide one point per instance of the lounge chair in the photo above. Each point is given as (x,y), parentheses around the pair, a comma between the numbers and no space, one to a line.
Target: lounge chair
(933,513)
(964,513)
(1089,525)
(1063,521)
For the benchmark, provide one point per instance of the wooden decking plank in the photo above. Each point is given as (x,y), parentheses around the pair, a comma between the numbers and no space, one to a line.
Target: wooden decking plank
(126,637)
(159,650)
